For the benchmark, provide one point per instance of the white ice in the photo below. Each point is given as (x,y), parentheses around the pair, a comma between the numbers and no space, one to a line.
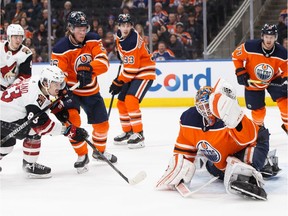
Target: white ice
(101,191)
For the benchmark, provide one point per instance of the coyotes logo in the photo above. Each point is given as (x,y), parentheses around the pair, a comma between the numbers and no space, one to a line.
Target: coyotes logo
(8,72)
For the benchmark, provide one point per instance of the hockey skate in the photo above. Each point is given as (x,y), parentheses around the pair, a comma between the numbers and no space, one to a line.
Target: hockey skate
(136,140)
(36,171)
(248,187)
(81,164)
(270,168)
(112,158)
(122,138)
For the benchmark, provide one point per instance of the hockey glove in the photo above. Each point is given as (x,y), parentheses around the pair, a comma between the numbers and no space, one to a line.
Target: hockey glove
(226,109)
(284,85)
(60,111)
(116,87)
(77,134)
(242,76)
(84,74)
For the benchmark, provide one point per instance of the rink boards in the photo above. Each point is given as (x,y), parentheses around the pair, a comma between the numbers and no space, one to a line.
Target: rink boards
(176,82)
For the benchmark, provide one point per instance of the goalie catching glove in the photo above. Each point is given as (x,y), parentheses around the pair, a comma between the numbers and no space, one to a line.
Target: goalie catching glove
(77,134)
(178,169)
(224,105)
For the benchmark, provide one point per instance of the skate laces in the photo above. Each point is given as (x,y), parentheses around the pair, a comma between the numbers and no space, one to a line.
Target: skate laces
(124,134)
(81,158)
(134,136)
(107,155)
(32,166)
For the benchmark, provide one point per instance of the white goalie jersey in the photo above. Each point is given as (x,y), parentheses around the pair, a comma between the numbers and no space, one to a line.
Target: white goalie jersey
(14,64)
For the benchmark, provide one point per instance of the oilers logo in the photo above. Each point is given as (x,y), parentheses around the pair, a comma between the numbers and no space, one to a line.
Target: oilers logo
(264,72)
(208,151)
(82,59)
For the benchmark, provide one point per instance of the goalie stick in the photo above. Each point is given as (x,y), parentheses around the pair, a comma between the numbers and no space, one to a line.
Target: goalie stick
(185,191)
(28,122)
(132,181)
(264,83)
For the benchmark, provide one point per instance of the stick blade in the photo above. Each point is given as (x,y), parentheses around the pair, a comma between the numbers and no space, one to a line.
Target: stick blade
(138,178)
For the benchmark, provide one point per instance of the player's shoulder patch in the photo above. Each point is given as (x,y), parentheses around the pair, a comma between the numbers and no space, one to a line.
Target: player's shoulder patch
(26,50)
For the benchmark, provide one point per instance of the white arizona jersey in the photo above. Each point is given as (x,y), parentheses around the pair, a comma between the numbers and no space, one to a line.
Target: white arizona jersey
(23,100)
(14,64)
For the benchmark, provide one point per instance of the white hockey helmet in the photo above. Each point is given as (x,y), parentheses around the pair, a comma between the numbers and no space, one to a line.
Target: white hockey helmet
(15,29)
(50,74)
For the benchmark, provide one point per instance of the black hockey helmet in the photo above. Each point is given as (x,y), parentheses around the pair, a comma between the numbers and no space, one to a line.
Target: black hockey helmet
(124,18)
(77,19)
(269,30)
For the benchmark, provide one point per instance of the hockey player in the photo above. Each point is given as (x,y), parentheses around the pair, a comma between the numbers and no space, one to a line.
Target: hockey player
(23,100)
(133,82)
(82,57)
(16,59)
(263,60)
(234,146)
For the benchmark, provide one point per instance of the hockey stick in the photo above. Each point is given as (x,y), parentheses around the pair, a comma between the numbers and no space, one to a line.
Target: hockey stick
(264,83)
(138,178)
(185,191)
(28,122)
(112,99)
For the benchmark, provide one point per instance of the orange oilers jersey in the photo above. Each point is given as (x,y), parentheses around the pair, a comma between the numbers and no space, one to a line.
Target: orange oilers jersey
(137,61)
(251,56)
(215,142)
(68,57)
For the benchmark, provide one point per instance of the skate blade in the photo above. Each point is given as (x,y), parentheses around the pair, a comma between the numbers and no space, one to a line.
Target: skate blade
(37,176)
(82,169)
(136,146)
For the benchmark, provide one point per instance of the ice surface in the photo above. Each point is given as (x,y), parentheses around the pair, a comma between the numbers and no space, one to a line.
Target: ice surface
(101,191)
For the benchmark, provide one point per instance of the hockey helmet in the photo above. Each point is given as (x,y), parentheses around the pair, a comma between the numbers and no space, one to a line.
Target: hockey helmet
(15,29)
(269,30)
(78,19)
(124,18)
(50,74)
(202,104)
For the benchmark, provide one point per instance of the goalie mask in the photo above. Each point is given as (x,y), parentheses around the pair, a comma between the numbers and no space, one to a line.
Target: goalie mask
(202,104)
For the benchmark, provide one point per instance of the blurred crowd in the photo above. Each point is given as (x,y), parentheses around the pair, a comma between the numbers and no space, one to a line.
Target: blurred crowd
(177,25)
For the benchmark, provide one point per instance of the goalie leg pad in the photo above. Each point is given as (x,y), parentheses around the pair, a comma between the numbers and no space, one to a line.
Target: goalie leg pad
(243,179)
(178,169)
